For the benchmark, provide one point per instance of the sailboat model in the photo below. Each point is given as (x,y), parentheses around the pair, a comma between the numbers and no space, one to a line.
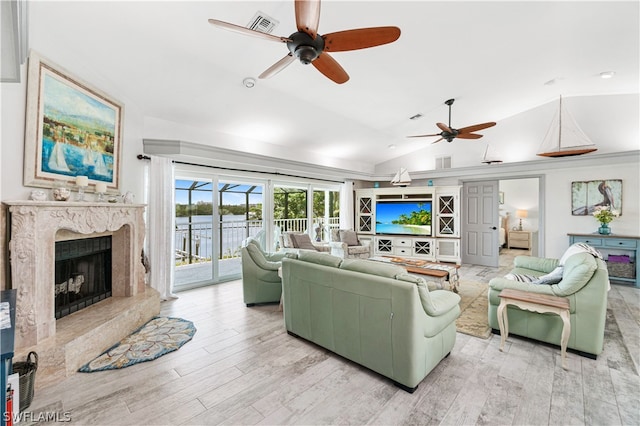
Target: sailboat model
(486,159)
(565,138)
(401,178)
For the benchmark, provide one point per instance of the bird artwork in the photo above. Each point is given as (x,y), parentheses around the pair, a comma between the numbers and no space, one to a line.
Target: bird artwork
(586,200)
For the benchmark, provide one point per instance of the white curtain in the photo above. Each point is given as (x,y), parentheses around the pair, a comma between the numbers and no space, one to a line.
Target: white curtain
(160,241)
(346,205)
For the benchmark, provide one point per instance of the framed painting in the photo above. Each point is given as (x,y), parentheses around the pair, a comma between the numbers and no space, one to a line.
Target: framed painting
(72,129)
(586,196)
(501,197)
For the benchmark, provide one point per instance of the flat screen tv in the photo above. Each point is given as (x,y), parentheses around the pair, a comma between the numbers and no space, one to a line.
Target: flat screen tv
(403,217)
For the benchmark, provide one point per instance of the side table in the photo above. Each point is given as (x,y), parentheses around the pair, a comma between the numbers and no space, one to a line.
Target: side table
(534,302)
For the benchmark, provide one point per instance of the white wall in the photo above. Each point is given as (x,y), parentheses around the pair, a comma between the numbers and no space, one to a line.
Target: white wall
(521,194)
(558,218)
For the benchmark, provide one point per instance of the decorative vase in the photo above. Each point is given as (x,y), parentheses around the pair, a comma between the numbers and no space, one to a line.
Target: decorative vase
(604,229)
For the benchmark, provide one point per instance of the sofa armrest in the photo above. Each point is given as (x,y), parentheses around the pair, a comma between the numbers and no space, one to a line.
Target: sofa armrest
(536,263)
(275,257)
(499,284)
(442,301)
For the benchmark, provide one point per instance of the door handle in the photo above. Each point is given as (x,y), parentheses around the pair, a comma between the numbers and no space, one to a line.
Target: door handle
(494,228)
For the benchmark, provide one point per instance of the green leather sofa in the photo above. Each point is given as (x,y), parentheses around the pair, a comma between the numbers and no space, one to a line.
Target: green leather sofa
(584,282)
(260,280)
(372,313)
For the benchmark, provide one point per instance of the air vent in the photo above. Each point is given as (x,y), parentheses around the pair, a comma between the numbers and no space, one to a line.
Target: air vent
(443,163)
(263,23)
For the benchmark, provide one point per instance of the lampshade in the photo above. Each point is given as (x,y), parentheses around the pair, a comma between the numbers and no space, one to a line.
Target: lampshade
(521,213)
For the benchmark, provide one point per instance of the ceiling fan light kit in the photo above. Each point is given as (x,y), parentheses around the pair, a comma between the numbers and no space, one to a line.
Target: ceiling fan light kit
(311,48)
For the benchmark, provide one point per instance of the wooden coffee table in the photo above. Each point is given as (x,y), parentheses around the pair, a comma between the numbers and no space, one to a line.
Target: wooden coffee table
(442,272)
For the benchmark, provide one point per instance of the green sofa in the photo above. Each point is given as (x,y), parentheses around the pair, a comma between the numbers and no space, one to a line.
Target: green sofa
(584,281)
(260,280)
(372,313)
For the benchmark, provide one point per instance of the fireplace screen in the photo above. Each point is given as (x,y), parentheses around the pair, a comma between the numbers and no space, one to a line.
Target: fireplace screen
(83,274)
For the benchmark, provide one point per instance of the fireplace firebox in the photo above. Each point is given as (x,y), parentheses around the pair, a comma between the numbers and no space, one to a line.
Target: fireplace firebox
(82,274)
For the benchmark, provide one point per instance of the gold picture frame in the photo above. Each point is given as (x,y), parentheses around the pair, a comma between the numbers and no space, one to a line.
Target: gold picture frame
(72,129)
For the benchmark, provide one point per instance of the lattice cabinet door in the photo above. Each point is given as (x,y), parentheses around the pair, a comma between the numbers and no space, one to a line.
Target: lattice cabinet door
(365,214)
(424,248)
(448,215)
(384,245)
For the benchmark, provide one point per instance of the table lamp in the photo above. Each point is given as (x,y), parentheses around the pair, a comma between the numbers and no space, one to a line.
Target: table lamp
(521,214)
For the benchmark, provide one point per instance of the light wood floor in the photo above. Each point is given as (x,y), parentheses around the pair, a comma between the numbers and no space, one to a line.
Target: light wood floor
(242,368)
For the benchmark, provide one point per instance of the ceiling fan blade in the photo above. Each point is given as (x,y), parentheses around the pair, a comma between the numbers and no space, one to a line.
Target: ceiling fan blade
(444,127)
(308,16)
(330,68)
(247,31)
(436,141)
(475,128)
(468,136)
(278,66)
(361,38)
(424,136)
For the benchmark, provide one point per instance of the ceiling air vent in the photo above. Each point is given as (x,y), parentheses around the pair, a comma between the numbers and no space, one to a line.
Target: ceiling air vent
(263,23)
(443,163)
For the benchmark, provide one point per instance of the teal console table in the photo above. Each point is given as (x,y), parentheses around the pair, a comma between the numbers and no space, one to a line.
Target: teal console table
(615,245)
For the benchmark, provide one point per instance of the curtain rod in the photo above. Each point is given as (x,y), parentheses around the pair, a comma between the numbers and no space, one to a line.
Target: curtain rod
(146,157)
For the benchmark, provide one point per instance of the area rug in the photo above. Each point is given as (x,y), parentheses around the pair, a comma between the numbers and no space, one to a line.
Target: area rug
(473,319)
(159,336)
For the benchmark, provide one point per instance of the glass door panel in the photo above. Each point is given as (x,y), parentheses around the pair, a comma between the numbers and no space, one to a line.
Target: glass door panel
(193,232)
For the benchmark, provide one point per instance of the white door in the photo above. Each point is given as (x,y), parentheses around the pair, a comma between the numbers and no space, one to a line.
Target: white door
(480,223)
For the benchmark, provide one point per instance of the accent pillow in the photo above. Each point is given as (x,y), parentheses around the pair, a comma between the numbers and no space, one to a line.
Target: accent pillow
(302,241)
(521,278)
(349,237)
(553,277)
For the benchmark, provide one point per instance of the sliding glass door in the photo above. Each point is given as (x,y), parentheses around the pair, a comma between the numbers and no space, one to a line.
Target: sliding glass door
(214,214)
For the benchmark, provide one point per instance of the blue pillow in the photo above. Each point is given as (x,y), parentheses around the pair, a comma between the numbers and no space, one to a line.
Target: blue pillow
(553,277)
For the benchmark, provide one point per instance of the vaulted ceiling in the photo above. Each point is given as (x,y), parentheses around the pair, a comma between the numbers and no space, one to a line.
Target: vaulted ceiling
(497,59)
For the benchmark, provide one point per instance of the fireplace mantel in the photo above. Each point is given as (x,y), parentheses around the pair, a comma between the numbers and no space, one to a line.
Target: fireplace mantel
(34,229)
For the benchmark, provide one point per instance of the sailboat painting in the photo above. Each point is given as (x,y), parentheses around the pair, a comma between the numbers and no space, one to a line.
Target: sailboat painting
(73,129)
(564,137)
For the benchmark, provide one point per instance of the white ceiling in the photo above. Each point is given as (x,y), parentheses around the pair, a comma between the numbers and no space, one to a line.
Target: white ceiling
(164,58)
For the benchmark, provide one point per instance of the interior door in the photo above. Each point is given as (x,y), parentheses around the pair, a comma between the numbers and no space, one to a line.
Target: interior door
(480,223)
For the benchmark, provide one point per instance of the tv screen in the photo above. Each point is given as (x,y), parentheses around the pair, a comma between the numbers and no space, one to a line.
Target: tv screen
(403,217)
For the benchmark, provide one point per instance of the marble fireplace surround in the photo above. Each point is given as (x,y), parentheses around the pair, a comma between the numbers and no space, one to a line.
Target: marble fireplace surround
(35,226)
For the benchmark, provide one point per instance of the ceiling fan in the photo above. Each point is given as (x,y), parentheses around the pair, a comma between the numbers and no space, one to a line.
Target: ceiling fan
(311,48)
(449,133)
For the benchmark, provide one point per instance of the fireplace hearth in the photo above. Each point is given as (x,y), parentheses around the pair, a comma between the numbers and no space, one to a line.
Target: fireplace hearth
(64,344)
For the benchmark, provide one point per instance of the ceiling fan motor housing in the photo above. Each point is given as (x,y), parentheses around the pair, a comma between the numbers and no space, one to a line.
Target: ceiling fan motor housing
(303,47)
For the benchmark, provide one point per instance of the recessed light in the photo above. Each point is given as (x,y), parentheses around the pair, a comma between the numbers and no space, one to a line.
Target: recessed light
(249,82)
(607,74)
(392,146)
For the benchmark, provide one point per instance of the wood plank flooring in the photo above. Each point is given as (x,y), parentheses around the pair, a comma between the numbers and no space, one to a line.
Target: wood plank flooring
(243,368)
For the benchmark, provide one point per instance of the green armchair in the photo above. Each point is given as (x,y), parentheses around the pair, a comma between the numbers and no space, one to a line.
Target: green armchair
(584,281)
(260,280)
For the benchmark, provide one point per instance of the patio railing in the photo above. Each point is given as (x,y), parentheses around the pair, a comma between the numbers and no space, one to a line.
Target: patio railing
(194,240)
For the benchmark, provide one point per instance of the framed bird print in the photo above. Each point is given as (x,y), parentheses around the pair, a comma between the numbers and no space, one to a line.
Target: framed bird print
(586,196)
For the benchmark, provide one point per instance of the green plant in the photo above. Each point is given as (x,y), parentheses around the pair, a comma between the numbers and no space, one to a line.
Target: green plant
(605,214)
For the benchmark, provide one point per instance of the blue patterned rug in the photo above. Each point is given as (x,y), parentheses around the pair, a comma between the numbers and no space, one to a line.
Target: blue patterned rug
(159,336)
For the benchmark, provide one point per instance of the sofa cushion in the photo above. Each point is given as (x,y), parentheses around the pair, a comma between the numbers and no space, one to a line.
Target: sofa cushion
(371,267)
(320,258)
(302,241)
(349,237)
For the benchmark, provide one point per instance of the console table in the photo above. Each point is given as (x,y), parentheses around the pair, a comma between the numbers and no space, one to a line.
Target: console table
(615,244)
